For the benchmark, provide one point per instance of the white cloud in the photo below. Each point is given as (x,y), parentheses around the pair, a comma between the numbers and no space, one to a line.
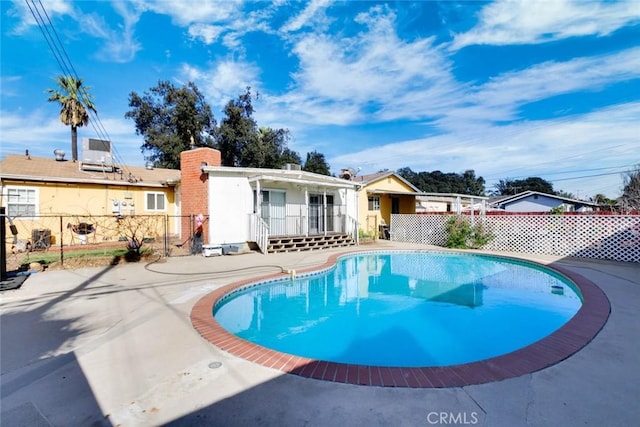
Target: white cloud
(7,87)
(508,22)
(185,13)
(497,152)
(225,81)
(50,133)
(120,44)
(207,33)
(15,137)
(554,78)
(377,77)
(211,20)
(500,98)
(308,16)
(374,71)
(25,11)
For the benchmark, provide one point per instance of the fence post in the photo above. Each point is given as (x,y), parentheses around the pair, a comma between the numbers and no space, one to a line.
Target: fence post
(166,236)
(61,244)
(3,249)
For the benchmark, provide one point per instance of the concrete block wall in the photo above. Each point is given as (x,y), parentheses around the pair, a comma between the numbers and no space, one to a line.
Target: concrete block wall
(194,187)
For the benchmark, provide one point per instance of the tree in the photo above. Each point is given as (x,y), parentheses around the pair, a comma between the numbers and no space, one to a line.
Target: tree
(472,185)
(316,163)
(267,149)
(171,120)
(604,202)
(409,175)
(508,187)
(242,143)
(439,182)
(566,194)
(74,102)
(290,156)
(600,199)
(238,130)
(503,188)
(630,199)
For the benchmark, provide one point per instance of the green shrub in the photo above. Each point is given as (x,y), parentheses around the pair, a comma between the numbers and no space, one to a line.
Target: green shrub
(558,210)
(461,235)
(458,233)
(364,234)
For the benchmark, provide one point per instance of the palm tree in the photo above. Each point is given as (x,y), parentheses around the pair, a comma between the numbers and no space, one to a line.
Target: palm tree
(74,101)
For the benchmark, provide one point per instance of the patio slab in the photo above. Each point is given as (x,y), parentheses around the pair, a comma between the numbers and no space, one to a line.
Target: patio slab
(115,346)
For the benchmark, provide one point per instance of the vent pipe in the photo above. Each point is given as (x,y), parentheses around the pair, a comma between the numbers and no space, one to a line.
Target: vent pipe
(59,154)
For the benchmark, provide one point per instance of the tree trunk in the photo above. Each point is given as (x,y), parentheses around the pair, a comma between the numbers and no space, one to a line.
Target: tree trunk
(74,143)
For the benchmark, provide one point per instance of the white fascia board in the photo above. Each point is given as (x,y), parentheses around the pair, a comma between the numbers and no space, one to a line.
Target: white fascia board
(300,181)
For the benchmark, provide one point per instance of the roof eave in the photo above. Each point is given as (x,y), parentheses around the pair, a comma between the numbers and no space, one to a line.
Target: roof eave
(45,179)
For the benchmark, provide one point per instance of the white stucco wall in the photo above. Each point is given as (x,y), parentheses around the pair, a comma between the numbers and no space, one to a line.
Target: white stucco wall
(231,202)
(230,205)
(350,197)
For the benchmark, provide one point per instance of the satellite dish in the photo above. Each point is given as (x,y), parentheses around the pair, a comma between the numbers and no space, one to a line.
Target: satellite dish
(349,173)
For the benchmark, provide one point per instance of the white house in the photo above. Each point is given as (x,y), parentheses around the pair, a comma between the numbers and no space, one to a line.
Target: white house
(534,201)
(449,202)
(249,204)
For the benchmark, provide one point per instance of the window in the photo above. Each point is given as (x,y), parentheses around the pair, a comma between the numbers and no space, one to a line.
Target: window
(374,203)
(22,202)
(155,202)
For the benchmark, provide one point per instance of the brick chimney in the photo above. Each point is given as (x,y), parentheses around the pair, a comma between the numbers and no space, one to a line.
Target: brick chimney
(194,187)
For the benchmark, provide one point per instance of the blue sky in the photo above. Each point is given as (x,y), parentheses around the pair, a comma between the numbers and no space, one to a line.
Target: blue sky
(510,89)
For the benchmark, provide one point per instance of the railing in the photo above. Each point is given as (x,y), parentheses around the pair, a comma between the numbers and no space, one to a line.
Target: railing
(611,237)
(351,227)
(300,220)
(259,232)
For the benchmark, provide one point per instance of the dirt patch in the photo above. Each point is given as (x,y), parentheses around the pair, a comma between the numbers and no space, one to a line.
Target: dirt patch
(88,262)
(17,263)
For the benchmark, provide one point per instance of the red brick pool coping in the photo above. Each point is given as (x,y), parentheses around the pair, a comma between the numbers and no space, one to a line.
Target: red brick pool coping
(566,341)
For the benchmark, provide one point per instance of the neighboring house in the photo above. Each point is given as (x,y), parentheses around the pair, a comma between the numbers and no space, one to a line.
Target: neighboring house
(380,195)
(533,201)
(449,202)
(71,202)
(251,205)
(37,191)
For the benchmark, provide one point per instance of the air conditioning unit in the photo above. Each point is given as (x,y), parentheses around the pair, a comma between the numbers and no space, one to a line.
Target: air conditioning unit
(96,155)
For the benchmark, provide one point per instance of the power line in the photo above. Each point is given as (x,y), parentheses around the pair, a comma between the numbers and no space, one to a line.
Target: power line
(591,176)
(66,66)
(579,170)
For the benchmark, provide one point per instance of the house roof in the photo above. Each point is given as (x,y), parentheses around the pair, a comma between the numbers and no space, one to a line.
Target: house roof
(449,196)
(367,180)
(372,177)
(43,169)
(525,194)
(282,175)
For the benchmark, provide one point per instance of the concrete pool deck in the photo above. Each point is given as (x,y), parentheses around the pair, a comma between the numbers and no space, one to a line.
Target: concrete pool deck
(115,346)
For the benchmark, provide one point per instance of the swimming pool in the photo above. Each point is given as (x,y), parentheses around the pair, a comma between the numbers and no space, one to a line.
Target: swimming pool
(551,349)
(404,309)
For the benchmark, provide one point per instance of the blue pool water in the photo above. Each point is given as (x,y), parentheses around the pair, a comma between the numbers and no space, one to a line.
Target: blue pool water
(405,309)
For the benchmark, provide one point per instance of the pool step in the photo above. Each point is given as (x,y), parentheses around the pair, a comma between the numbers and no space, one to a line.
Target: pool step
(308,243)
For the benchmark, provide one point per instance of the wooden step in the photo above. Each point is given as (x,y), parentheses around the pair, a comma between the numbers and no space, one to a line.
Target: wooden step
(280,244)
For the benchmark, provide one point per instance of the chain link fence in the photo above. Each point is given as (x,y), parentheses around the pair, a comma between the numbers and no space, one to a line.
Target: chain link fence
(57,238)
